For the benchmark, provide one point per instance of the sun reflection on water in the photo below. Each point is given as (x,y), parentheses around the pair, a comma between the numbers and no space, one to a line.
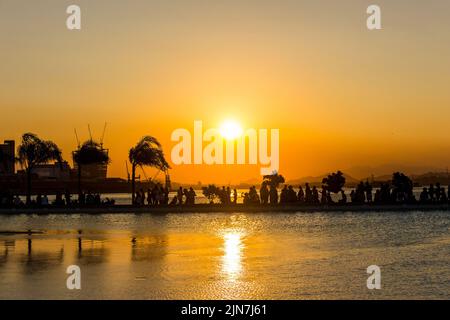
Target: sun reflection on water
(232,258)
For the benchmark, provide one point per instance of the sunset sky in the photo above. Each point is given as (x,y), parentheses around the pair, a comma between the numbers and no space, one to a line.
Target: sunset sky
(341,95)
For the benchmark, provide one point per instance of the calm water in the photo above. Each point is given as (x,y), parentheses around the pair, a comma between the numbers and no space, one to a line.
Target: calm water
(227,256)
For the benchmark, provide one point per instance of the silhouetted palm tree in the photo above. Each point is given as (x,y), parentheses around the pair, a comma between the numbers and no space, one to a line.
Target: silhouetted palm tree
(33,151)
(147,152)
(90,152)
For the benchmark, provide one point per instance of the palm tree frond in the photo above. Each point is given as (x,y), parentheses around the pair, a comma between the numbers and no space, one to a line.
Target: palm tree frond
(148,152)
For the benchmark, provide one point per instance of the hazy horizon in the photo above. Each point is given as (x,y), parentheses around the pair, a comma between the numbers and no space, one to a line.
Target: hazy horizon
(341,95)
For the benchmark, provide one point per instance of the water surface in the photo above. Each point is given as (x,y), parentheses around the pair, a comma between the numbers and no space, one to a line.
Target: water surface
(227,256)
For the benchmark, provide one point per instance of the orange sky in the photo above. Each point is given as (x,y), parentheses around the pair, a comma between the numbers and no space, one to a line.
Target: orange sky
(341,95)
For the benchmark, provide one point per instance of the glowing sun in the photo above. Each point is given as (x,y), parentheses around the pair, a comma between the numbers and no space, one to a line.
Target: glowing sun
(230,130)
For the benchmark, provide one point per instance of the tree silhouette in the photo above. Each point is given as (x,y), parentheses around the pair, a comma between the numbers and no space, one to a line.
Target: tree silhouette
(211,192)
(334,182)
(33,151)
(147,152)
(402,183)
(90,152)
(274,180)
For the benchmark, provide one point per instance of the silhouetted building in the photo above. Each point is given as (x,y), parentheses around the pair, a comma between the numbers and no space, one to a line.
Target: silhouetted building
(92,168)
(55,171)
(93,172)
(7,157)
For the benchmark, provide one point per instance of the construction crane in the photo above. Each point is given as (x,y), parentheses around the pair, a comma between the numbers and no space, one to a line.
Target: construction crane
(90,133)
(76,136)
(128,172)
(103,134)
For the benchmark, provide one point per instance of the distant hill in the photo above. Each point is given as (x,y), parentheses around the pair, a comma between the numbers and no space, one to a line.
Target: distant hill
(362,172)
(432,177)
(351,181)
(317,180)
(419,179)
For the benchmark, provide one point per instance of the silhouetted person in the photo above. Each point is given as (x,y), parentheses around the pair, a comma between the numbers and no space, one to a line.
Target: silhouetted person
(174,201)
(253,195)
(191,196)
(308,194)
(368,189)
(228,195)
(180,196)
(438,192)
(284,195)
(431,192)
(223,195)
(273,195)
(186,195)
(301,195)
(292,195)
(385,193)
(235,196)
(166,196)
(90,198)
(149,197)
(59,199)
(323,198)
(82,198)
(343,199)
(424,196)
(67,197)
(154,196)
(329,199)
(443,197)
(98,200)
(353,196)
(17,201)
(246,199)
(44,201)
(315,195)
(142,203)
(360,193)
(137,199)
(264,192)
(377,197)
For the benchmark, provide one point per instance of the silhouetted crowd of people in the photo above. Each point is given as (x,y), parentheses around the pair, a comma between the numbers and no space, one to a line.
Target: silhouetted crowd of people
(184,197)
(363,193)
(84,199)
(61,200)
(434,194)
(269,194)
(156,195)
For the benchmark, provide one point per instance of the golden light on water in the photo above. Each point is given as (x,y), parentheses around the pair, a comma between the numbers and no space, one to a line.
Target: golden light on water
(231,261)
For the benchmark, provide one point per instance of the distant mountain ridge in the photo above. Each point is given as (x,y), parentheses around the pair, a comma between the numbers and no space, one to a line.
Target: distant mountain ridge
(362,172)
(419,175)
(419,179)
(318,179)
